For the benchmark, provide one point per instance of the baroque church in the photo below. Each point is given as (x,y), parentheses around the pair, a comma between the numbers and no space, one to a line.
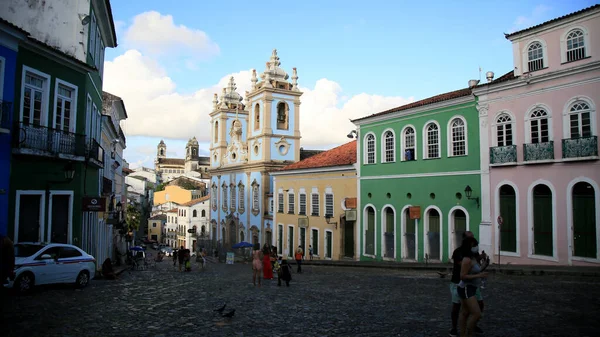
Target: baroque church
(192,165)
(249,140)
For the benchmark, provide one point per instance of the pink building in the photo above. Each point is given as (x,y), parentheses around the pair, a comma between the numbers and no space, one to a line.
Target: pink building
(539,143)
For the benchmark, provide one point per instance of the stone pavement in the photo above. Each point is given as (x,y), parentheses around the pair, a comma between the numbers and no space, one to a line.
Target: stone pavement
(323,301)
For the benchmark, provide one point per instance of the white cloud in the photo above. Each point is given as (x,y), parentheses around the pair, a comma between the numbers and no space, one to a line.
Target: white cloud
(157,34)
(537,16)
(156,109)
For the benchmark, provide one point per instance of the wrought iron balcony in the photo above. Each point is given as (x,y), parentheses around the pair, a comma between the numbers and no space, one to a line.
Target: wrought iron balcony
(43,141)
(5,114)
(503,155)
(538,151)
(95,154)
(583,147)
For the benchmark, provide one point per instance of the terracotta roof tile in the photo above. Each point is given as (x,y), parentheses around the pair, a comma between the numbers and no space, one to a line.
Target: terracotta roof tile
(127,171)
(159,217)
(504,78)
(308,153)
(431,100)
(173,210)
(171,161)
(196,201)
(597,6)
(339,156)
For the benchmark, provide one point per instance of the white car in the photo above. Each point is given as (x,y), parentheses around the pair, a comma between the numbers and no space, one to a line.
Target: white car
(38,263)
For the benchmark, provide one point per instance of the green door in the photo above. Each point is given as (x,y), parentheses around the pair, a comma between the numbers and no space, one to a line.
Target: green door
(542,220)
(433,235)
(370,232)
(328,245)
(584,221)
(460,227)
(508,211)
(410,237)
(315,242)
(303,240)
(292,247)
(349,239)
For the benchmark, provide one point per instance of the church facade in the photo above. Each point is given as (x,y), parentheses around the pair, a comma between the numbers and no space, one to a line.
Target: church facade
(248,141)
(192,165)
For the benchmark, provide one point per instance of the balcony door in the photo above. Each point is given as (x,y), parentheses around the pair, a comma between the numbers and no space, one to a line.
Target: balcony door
(33,99)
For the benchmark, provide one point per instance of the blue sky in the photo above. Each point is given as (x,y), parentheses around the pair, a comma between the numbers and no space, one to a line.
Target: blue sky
(372,54)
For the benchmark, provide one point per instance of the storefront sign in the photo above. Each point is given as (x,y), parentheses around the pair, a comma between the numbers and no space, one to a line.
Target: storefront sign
(93,204)
(351,215)
(415,212)
(229,258)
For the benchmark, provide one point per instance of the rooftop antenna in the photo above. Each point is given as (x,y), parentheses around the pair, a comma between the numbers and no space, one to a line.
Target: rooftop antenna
(479,73)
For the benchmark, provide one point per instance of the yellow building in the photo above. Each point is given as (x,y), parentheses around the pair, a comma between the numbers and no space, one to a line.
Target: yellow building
(175,194)
(156,227)
(315,205)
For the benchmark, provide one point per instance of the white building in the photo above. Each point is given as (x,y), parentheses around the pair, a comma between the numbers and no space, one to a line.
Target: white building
(147,173)
(193,219)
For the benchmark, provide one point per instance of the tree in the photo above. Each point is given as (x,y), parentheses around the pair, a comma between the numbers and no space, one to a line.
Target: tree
(160,187)
(133,217)
(187,185)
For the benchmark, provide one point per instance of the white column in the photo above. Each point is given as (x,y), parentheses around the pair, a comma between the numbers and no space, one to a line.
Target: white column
(357,232)
(486,226)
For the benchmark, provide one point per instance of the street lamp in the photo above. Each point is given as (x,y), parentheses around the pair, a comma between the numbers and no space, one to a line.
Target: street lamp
(469,192)
(352,134)
(69,171)
(119,206)
(328,218)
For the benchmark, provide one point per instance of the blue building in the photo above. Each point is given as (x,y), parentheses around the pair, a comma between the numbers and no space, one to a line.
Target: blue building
(9,46)
(249,140)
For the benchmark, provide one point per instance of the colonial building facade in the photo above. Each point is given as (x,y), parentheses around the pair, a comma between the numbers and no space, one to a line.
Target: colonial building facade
(57,157)
(192,165)
(539,138)
(416,164)
(247,142)
(315,206)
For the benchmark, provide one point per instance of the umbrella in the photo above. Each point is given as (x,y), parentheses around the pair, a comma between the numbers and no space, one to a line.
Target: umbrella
(242,244)
(137,248)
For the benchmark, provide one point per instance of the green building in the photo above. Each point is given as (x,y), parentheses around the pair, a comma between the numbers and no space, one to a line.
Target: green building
(56,154)
(415,163)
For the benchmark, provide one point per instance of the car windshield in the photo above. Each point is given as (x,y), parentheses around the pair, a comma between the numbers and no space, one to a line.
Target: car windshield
(25,250)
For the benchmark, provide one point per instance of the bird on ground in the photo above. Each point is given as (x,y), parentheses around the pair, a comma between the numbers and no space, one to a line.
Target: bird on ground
(229,314)
(221,309)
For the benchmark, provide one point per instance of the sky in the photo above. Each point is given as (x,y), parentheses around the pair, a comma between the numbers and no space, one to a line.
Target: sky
(354,58)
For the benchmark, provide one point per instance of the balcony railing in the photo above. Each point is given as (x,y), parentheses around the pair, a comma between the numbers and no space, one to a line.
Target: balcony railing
(503,154)
(5,114)
(580,147)
(95,153)
(41,140)
(538,151)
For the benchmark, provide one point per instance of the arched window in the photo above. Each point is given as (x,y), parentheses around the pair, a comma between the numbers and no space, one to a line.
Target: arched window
(242,201)
(432,141)
(282,116)
(224,198)
(194,213)
(575,45)
(216,131)
(409,144)
(370,149)
(389,155)
(203,213)
(257,117)
(535,56)
(580,122)
(538,123)
(233,198)
(504,132)
(459,137)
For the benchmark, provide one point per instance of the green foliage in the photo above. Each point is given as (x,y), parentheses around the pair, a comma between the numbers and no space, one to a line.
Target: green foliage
(160,187)
(133,217)
(187,185)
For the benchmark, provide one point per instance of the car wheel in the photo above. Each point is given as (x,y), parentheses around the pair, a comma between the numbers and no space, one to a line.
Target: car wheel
(25,283)
(83,279)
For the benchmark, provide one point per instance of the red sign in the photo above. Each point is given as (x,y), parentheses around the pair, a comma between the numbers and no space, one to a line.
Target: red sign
(415,212)
(93,204)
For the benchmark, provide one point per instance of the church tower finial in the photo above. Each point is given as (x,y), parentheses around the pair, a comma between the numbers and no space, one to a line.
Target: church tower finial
(295,80)
(254,79)
(215,101)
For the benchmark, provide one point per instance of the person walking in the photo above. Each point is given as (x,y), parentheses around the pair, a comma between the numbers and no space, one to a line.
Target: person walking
(470,281)
(257,264)
(299,256)
(174,258)
(454,281)
(310,252)
(181,257)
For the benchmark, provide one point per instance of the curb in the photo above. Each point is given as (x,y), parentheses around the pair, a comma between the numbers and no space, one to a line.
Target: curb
(118,271)
(523,270)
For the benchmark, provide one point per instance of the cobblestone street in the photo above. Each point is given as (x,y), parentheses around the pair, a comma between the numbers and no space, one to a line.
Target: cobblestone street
(323,301)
